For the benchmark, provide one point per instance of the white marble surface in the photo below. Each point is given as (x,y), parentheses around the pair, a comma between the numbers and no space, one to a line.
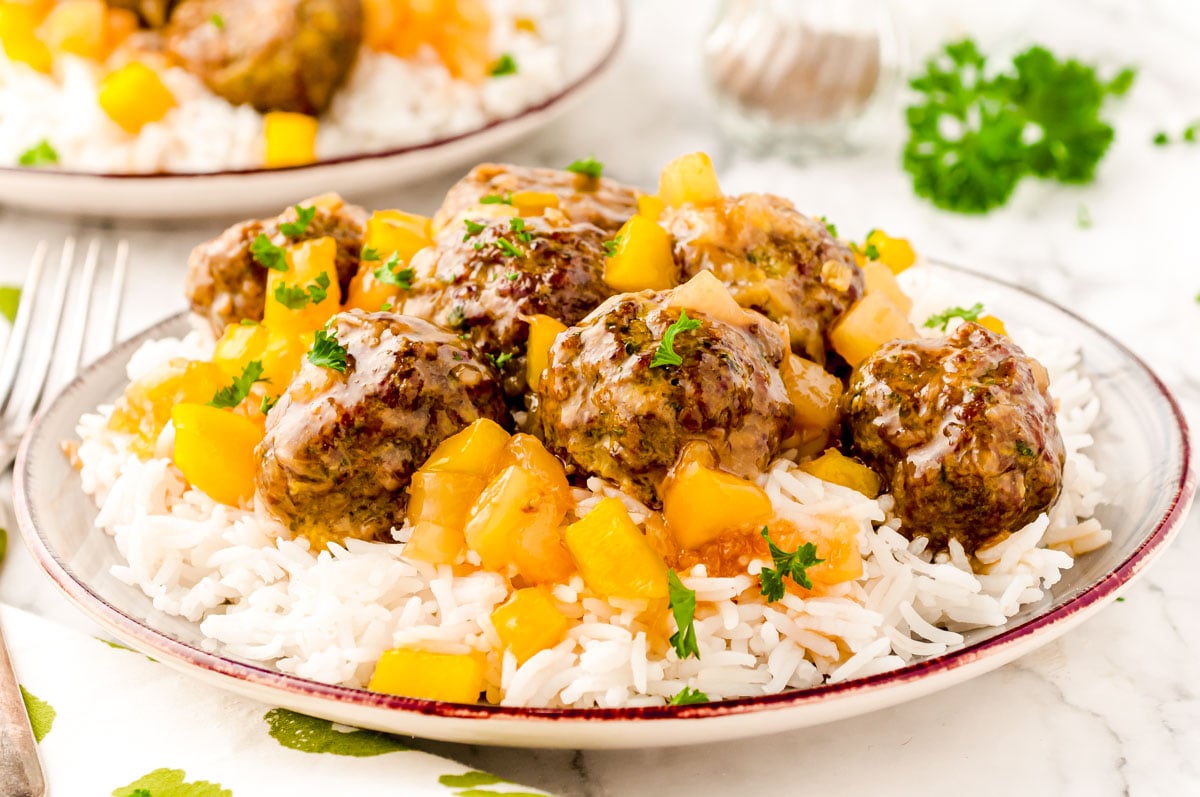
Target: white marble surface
(1114,707)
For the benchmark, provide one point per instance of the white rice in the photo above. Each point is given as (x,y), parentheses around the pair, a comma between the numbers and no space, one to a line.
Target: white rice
(386,102)
(328,615)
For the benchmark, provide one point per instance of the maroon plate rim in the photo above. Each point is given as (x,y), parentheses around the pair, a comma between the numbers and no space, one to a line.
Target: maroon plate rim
(570,90)
(164,646)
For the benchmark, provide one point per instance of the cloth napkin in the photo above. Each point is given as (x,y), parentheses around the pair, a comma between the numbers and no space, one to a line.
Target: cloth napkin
(110,721)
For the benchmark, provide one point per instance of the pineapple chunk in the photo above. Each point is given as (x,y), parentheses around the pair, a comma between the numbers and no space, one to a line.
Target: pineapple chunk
(395,231)
(836,540)
(145,407)
(689,179)
(542,331)
(835,467)
(873,321)
(438,503)
(815,394)
(881,279)
(512,501)
(214,449)
(613,555)
(701,502)
(704,293)
(990,322)
(650,206)
(474,450)
(289,139)
(134,96)
(529,622)
(301,299)
(643,259)
(78,27)
(455,678)
(534,203)
(895,253)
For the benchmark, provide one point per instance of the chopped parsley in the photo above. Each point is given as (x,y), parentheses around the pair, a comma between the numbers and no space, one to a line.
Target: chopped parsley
(268,254)
(294,297)
(513,276)
(792,565)
(248,322)
(610,247)
(829,225)
(942,319)
(327,352)
(1023,449)
(496,199)
(1161,139)
(683,608)
(234,394)
(588,167)
(386,306)
(217,21)
(517,225)
(473,228)
(687,696)
(507,247)
(870,251)
(267,403)
(304,217)
(369,253)
(505,65)
(500,360)
(388,274)
(40,154)
(975,132)
(665,355)
(1190,132)
(457,318)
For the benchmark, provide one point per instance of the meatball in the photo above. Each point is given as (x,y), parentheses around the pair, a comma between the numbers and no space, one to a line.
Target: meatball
(276,55)
(774,259)
(602,202)
(484,282)
(226,284)
(340,448)
(963,430)
(606,410)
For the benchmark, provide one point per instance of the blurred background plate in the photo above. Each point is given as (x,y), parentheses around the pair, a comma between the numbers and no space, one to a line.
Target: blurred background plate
(592,34)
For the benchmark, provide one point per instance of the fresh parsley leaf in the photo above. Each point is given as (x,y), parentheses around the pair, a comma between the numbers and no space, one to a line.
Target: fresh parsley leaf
(369,253)
(792,565)
(500,360)
(293,297)
(687,696)
(267,403)
(304,217)
(513,276)
(870,251)
(942,319)
(505,65)
(217,21)
(10,301)
(610,247)
(518,226)
(473,228)
(496,199)
(507,247)
(665,355)
(386,307)
(1120,600)
(327,352)
(268,254)
(829,225)
(974,134)
(1023,449)
(388,274)
(234,394)
(683,608)
(1161,139)
(588,167)
(40,154)
(1189,132)
(318,289)
(457,318)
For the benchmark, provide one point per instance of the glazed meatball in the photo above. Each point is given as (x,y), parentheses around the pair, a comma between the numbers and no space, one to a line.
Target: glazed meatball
(340,448)
(607,411)
(963,431)
(225,284)
(276,55)
(483,284)
(774,259)
(602,202)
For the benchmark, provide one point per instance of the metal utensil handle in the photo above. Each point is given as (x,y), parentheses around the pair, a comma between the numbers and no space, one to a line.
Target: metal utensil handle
(20,769)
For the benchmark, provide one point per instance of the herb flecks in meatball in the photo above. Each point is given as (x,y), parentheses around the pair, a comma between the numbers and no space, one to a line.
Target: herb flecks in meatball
(607,410)
(225,283)
(341,446)
(963,431)
(582,199)
(774,259)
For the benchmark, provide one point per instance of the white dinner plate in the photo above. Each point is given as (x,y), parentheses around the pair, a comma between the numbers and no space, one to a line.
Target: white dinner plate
(1141,445)
(591,36)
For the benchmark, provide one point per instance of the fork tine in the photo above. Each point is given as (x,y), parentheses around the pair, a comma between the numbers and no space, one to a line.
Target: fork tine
(116,294)
(21,409)
(15,349)
(73,351)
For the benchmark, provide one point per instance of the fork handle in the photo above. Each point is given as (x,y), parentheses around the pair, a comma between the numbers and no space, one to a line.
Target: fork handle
(20,770)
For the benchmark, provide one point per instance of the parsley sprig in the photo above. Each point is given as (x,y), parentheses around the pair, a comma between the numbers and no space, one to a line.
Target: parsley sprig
(683,608)
(974,134)
(304,217)
(264,250)
(829,225)
(473,228)
(389,274)
(295,297)
(942,320)
(267,403)
(369,253)
(588,167)
(500,359)
(40,154)
(792,565)
(665,355)
(496,199)
(234,394)
(687,696)
(505,65)
(327,352)
(610,247)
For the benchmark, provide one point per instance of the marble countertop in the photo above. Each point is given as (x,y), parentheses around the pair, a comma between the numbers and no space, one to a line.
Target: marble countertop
(1113,707)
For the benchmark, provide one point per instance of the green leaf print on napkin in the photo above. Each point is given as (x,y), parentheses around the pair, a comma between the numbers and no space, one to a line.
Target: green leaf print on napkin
(311,735)
(169,783)
(467,781)
(41,714)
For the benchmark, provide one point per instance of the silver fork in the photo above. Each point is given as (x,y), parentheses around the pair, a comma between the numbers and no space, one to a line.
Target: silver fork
(45,348)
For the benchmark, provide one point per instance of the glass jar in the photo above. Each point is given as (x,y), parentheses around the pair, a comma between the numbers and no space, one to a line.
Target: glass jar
(803,77)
